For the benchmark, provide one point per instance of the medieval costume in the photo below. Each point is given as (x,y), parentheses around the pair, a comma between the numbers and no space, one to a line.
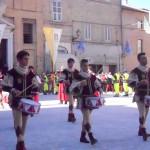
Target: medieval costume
(91,87)
(19,79)
(138,81)
(67,76)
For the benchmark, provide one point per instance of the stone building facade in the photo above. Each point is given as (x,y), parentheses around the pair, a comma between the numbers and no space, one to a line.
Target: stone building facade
(91,29)
(136,32)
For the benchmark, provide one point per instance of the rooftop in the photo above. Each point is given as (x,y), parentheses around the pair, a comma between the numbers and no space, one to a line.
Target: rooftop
(127,7)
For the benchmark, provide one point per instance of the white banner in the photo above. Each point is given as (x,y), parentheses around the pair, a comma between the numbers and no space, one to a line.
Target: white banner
(2,29)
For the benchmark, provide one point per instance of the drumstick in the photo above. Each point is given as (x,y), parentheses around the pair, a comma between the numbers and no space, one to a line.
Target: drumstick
(24,90)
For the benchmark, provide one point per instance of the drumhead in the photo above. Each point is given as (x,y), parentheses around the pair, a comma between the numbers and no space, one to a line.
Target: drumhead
(28,101)
(147,97)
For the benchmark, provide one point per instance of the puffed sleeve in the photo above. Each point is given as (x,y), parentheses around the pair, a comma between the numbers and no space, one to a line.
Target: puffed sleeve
(97,84)
(133,80)
(74,86)
(7,83)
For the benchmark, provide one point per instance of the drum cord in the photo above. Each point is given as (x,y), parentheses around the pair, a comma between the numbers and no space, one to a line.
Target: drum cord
(90,86)
(23,91)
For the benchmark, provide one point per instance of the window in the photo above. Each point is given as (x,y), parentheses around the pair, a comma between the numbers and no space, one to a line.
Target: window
(28,33)
(107,34)
(57,10)
(140,25)
(87,31)
(140,45)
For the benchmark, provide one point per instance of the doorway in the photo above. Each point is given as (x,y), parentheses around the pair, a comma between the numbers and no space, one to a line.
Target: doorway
(3,53)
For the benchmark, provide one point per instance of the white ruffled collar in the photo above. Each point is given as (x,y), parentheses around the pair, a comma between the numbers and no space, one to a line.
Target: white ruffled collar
(85,74)
(21,70)
(143,68)
(71,69)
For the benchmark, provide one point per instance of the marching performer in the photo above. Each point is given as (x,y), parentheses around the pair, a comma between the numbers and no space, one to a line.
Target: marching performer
(86,85)
(20,83)
(67,77)
(139,81)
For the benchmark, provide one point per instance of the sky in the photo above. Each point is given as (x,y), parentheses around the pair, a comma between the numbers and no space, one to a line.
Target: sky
(140,3)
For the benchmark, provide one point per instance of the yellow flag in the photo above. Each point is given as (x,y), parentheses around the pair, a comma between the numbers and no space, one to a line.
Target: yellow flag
(49,36)
(52,36)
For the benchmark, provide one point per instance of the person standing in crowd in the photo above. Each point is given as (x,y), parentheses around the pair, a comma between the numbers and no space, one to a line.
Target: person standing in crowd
(62,94)
(139,81)
(121,89)
(45,83)
(116,80)
(31,69)
(50,84)
(56,83)
(125,83)
(109,86)
(86,85)
(67,77)
(103,81)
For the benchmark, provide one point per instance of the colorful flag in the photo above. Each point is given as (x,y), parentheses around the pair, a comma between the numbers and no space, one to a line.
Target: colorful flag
(52,36)
(80,46)
(127,48)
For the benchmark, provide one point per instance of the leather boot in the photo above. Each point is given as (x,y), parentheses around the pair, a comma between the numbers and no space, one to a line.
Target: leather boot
(92,139)
(20,146)
(71,117)
(83,138)
(140,132)
(145,135)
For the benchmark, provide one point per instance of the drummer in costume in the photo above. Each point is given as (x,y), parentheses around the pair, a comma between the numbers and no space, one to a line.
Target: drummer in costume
(86,85)
(20,83)
(139,81)
(67,77)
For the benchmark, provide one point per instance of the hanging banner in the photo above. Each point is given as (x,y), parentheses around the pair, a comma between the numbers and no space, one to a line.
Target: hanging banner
(2,29)
(52,36)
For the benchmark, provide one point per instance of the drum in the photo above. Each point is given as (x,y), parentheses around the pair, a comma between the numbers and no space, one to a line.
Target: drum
(94,102)
(147,100)
(29,106)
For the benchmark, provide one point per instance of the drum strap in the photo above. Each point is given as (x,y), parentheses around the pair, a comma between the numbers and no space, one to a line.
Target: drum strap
(90,86)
